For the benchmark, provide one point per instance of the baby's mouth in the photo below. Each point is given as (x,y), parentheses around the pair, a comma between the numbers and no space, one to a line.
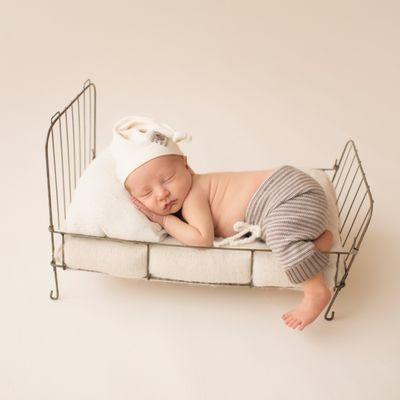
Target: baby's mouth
(169,205)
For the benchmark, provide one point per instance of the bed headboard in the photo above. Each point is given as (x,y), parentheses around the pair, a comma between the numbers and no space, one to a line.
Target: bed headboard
(70,147)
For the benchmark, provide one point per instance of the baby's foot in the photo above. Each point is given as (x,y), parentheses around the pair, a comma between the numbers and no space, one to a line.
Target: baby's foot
(314,301)
(316,293)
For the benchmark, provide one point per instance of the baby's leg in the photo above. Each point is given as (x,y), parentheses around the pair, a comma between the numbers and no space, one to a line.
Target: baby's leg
(316,293)
(293,232)
(324,241)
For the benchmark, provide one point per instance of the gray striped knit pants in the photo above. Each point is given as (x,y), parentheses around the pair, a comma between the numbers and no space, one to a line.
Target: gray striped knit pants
(291,209)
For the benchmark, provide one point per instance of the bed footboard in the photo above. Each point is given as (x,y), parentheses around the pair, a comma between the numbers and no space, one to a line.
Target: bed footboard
(354,200)
(355,205)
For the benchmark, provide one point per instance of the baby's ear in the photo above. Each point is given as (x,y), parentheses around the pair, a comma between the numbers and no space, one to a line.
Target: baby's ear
(187,166)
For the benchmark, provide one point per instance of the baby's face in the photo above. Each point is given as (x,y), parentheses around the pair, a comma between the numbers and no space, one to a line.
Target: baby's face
(160,181)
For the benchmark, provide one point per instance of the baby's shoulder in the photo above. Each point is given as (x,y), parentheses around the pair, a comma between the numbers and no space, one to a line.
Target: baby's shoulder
(201,183)
(200,186)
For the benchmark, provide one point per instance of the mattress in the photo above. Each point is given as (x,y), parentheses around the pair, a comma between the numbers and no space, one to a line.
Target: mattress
(246,264)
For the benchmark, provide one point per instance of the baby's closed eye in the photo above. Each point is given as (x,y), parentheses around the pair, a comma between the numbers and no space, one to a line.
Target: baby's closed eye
(169,178)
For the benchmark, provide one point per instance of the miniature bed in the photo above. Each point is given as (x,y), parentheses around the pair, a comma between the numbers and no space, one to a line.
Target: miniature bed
(71,148)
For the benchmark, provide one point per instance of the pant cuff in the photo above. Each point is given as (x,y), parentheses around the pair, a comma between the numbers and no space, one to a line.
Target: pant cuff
(308,268)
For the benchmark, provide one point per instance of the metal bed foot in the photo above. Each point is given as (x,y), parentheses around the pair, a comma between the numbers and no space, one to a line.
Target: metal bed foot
(337,290)
(55,278)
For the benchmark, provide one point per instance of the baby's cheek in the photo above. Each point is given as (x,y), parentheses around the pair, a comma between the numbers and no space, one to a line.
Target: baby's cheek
(152,207)
(148,205)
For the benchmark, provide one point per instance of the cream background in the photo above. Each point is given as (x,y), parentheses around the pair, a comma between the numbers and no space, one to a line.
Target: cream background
(257,84)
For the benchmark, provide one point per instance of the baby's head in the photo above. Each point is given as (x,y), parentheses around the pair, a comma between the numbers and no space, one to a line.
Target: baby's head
(160,181)
(150,164)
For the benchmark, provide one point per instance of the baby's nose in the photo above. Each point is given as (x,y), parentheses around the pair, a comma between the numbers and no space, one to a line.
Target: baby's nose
(163,194)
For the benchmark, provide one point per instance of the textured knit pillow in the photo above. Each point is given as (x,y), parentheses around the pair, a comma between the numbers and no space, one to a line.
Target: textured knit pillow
(101,206)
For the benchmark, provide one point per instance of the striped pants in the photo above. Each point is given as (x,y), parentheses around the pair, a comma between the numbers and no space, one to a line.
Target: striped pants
(291,209)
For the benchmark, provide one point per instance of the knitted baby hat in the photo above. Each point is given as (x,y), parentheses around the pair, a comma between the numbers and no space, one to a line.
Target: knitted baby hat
(137,140)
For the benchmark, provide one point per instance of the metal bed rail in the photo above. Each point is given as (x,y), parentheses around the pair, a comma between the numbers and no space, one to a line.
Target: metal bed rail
(71,146)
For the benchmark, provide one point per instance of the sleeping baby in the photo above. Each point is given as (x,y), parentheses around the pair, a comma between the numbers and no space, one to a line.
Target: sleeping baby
(287,207)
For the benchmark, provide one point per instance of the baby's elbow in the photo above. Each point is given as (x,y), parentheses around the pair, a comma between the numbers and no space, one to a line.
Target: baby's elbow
(205,237)
(207,241)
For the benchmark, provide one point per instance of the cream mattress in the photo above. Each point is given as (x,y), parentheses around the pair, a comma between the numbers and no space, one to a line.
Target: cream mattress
(228,265)
(190,265)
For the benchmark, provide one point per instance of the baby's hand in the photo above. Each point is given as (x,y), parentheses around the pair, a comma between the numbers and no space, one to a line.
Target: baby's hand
(152,216)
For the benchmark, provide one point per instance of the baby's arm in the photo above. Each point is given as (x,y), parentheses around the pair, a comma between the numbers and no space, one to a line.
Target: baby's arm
(199,229)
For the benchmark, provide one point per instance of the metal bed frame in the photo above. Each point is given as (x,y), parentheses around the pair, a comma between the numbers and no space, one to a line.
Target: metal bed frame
(71,146)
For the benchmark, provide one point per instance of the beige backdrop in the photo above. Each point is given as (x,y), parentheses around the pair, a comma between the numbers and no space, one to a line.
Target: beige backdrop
(257,84)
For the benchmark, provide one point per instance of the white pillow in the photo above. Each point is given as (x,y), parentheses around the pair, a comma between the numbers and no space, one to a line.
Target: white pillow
(101,206)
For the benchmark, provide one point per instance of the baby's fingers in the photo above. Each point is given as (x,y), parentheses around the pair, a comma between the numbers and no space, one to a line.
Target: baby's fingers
(136,202)
(140,206)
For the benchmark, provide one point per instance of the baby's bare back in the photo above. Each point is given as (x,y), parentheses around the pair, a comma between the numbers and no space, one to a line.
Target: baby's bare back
(229,194)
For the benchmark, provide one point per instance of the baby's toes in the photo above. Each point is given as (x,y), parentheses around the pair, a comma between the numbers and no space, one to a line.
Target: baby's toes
(301,326)
(289,320)
(294,322)
(287,315)
(297,324)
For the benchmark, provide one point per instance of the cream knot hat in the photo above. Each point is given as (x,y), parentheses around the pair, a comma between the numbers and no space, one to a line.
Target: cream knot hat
(137,140)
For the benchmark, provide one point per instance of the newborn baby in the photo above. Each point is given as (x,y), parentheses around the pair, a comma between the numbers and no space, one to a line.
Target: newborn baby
(288,205)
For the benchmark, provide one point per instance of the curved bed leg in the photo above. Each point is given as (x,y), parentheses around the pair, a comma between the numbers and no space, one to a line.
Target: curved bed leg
(55,278)
(337,290)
